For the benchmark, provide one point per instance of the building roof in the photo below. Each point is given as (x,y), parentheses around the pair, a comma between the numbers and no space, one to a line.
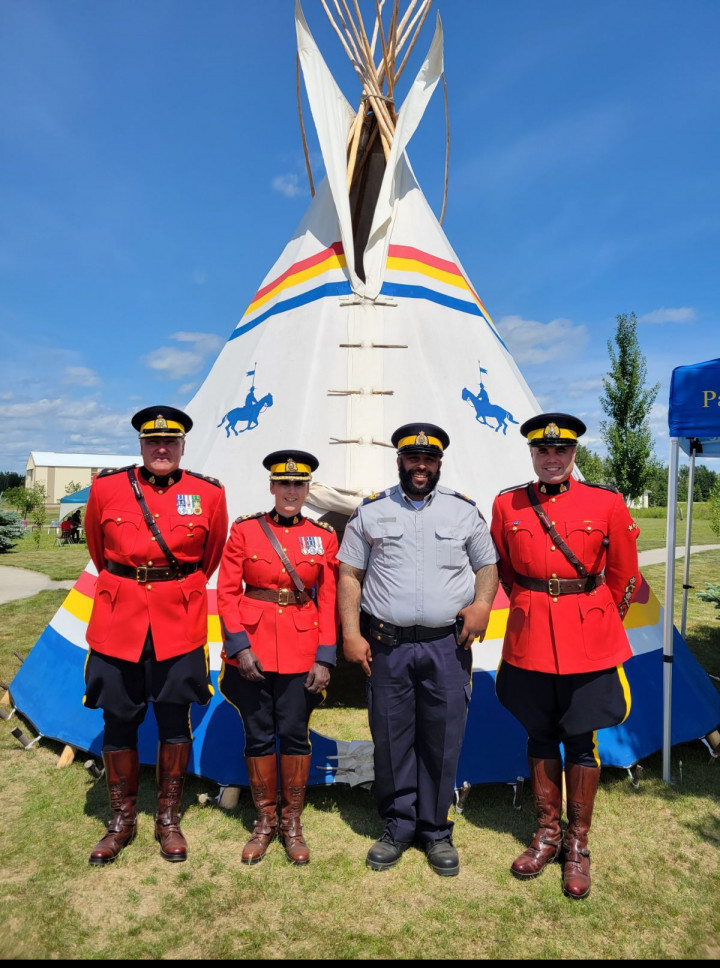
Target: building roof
(47,458)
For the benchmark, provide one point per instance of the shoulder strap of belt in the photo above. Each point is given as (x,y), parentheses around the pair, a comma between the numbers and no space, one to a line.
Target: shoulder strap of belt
(150,520)
(550,528)
(283,557)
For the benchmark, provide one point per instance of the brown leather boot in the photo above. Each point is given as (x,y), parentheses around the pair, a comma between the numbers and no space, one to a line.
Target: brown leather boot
(582,784)
(262,773)
(546,785)
(294,772)
(171,770)
(121,773)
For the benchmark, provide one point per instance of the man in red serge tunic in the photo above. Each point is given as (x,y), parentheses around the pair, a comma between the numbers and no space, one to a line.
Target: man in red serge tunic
(155,534)
(568,561)
(277,605)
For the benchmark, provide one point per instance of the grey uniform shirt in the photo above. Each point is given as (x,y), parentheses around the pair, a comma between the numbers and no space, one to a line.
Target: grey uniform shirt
(419,563)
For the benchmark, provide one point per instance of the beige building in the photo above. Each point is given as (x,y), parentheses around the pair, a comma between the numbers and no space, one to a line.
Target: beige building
(56,471)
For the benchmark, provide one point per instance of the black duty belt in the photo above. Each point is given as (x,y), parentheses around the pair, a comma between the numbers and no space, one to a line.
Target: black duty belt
(144,573)
(389,634)
(560,586)
(281,596)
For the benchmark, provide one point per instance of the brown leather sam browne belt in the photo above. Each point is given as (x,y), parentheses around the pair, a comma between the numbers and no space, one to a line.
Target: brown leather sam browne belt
(560,586)
(144,573)
(281,596)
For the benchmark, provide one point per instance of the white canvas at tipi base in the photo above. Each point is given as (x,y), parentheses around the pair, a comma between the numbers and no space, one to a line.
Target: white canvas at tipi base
(366,321)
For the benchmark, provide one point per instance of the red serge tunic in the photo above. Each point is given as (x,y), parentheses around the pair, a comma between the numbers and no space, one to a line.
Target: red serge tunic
(567,633)
(286,638)
(175,611)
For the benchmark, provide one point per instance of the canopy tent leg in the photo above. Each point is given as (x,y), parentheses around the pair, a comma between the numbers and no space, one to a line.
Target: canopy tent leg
(688,539)
(669,605)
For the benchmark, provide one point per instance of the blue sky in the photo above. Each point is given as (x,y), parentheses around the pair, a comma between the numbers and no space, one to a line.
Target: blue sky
(151,171)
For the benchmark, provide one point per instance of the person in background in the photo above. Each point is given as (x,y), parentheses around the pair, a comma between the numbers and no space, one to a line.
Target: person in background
(155,535)
(75,520)
(277,605)
(568,561)
(417,582)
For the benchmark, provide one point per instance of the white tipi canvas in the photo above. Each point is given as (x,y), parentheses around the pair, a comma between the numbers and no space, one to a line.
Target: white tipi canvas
(332,354)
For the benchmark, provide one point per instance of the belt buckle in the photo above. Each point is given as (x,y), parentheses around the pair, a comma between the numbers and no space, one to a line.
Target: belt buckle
(554,587)
(141,574)
(284,596)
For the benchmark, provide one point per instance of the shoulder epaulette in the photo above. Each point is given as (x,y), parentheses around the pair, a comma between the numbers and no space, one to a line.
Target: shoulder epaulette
(373,497)
(249,517)
(516,487)
(204,477)
(464,497)
(108,471)
(605,487)
(323,524)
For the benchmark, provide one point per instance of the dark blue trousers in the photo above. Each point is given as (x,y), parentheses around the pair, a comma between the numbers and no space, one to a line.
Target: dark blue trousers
(418,694)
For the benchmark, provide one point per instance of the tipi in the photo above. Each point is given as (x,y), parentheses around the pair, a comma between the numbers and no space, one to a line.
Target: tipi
(367,320)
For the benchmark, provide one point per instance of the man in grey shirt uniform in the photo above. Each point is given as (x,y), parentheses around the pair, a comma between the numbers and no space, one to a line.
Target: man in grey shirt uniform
(417,581)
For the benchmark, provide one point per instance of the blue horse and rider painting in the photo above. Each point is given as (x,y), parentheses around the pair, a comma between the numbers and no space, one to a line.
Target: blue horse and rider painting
(248,413)
(485,410)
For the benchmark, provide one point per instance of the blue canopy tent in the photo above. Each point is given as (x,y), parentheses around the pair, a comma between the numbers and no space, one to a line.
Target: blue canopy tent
(71,502)
(694,422)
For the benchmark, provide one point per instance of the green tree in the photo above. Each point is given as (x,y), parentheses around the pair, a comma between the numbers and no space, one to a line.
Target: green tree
(72,487)
(11,530)
(24,499)
(590,465)
(10,479)
(657,483)
(627,402)
(714,507)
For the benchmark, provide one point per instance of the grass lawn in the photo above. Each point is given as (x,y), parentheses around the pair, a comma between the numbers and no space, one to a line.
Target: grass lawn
(654,849)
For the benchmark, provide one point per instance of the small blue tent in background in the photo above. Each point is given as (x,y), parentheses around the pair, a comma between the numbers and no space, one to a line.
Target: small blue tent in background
(71,502)
(694,423)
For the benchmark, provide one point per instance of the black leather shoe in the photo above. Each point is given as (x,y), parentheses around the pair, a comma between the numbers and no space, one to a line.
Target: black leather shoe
(443,858)
(385,853)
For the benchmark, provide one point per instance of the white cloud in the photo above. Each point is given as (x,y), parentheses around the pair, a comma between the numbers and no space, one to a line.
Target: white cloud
(199,277)
(174,362)
(81,376)
(685,314)
(579,388)
(177,363)
(205,342)
(530,341)
(288,185)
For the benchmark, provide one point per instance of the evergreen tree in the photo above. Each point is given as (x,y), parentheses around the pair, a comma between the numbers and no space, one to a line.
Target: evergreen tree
(627,403)
(11,530)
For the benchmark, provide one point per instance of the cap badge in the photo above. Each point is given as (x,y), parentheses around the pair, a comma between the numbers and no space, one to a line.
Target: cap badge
(290,465)
(421,440)
(160,422)
(552,430)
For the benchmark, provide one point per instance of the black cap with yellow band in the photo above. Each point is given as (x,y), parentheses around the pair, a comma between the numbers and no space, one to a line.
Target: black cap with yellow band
(290,465)
(161,421)
(553,430)
(420,437)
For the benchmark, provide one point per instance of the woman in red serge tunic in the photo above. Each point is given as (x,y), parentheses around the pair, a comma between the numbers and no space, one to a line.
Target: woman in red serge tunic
(279,644)
(155,534)
(570,582)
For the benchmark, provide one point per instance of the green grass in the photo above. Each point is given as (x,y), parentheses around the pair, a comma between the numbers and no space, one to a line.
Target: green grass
(654,855)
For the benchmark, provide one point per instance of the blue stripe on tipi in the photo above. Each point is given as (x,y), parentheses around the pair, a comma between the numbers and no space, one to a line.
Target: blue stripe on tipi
(392,289)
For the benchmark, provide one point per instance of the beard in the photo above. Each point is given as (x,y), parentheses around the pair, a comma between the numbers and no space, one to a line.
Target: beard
(411,489)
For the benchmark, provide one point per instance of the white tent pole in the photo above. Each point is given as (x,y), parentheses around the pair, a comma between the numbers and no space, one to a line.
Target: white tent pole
(669,605)
(688,537)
